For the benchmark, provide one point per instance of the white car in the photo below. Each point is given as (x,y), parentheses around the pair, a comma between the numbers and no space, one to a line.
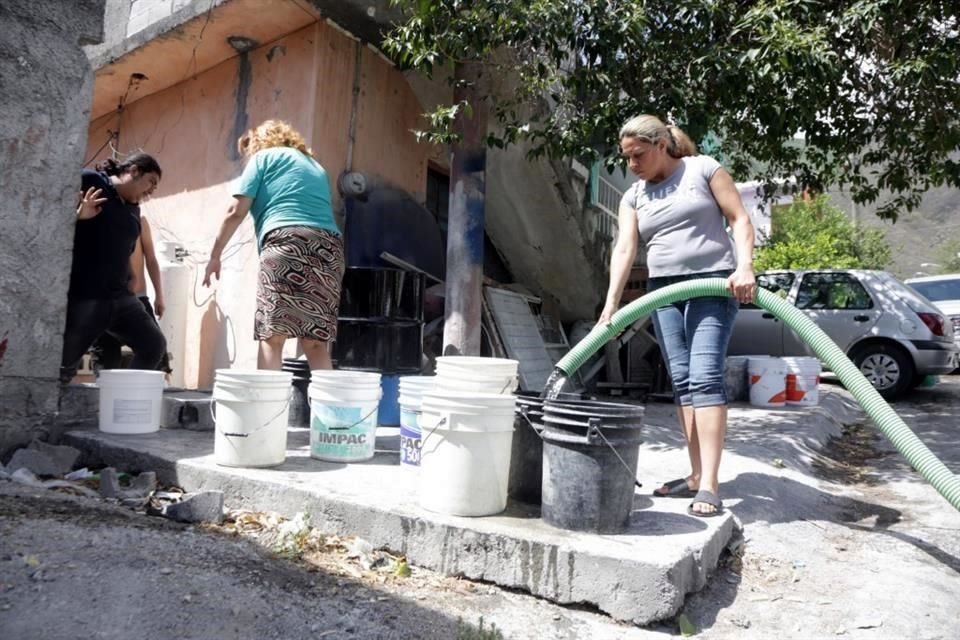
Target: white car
(944,292)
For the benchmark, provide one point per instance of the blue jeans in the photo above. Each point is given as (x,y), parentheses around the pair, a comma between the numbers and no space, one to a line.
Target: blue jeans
(693,336)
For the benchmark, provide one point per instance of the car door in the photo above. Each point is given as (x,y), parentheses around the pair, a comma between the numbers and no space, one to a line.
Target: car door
(839,304)
(756,331)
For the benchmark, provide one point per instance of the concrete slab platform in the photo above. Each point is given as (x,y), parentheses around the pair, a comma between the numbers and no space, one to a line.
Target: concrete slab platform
(640,576)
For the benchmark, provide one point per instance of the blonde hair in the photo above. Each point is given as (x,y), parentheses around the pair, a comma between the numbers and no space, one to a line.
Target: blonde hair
(271,133)
(651,129)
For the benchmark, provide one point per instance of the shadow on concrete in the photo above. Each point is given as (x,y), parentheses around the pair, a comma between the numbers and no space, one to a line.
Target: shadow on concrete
(658,523)
(777,500)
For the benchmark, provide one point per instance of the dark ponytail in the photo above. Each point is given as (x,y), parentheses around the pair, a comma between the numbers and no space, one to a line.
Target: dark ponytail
(144,162)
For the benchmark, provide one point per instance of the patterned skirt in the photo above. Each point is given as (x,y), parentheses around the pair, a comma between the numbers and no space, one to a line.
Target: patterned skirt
(298,289)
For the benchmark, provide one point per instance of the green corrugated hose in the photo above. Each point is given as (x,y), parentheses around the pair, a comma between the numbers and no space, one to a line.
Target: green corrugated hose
(892,426)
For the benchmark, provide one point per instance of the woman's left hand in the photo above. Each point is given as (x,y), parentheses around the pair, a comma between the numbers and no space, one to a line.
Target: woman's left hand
(742,284)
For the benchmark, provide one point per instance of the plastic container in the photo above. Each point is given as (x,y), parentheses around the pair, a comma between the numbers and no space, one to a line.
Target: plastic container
(411,394)
(343,415)
(590,455)
(131,400)
(299,415)
(526,458)
(735,379)
(177,277)
(389,411)
(768,381)
(251,417)
(481,375)
(466,448)
(803,380)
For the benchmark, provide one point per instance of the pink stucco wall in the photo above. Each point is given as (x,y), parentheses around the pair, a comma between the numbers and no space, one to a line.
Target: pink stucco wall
(305,78)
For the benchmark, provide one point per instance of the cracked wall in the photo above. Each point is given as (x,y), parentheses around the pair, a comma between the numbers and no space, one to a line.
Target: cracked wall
(43,136)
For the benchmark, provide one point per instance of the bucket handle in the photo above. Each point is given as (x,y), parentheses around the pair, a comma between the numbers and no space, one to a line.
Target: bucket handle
(594,432)
(423,436)
(247,435)
(523,413)
(360,421)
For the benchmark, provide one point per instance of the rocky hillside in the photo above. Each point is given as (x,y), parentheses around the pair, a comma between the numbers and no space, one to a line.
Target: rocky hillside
(915,236)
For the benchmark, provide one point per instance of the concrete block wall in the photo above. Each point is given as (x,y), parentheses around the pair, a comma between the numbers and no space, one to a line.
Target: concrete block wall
(43,135)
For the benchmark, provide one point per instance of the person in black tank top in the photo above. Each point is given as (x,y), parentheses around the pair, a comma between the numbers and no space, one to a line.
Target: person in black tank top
(99,299)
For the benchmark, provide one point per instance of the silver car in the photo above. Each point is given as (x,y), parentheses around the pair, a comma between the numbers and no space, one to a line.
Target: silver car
(893,334)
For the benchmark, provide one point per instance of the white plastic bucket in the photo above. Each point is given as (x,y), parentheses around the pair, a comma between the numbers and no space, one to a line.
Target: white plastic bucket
(482,375)
(131,400)
(343,415)
(411,393)
(466,450)
(768,381)
(497,386)
(252,408)
(803,379)
(477,365)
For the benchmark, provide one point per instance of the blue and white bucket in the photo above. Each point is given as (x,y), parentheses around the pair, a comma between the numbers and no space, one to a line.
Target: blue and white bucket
(411,392)
(343,415)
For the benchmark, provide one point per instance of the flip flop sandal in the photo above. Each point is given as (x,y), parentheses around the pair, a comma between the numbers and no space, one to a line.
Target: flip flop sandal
(675,489)
(705,497)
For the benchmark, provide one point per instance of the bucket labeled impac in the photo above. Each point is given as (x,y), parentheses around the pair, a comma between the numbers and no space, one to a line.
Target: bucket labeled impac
(131,400)
(590,455)
(803,380)
(465,463)
(252,408)
(343,415)
(768,381)
(411,394)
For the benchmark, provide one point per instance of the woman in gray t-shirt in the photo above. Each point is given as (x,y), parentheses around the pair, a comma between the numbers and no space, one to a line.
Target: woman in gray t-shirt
(679,208)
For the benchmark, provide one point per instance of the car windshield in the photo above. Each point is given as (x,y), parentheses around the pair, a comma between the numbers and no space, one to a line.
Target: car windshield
(938,290)
(904,292)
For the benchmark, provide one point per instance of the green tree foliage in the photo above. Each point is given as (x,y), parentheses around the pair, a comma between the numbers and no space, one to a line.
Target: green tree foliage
(815,235)
(870,85)
(947,256)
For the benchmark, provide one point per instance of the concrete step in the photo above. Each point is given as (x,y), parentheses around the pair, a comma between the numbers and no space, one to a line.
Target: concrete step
(641,576)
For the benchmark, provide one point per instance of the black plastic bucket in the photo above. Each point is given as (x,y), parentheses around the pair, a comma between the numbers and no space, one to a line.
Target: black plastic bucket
(526,459)
(590,454)
(299,415)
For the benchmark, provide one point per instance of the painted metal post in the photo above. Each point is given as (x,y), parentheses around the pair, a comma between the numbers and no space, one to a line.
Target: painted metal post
(465,223)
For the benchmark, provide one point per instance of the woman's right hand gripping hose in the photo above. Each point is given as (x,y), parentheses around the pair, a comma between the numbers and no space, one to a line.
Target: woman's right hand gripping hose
(606,315)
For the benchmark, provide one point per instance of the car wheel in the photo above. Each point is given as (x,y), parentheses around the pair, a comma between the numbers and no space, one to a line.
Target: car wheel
(888,368)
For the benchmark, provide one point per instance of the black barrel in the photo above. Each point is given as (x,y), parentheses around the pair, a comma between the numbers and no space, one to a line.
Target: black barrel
(299,401)
(382,294)
(371,345)
(590,454)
